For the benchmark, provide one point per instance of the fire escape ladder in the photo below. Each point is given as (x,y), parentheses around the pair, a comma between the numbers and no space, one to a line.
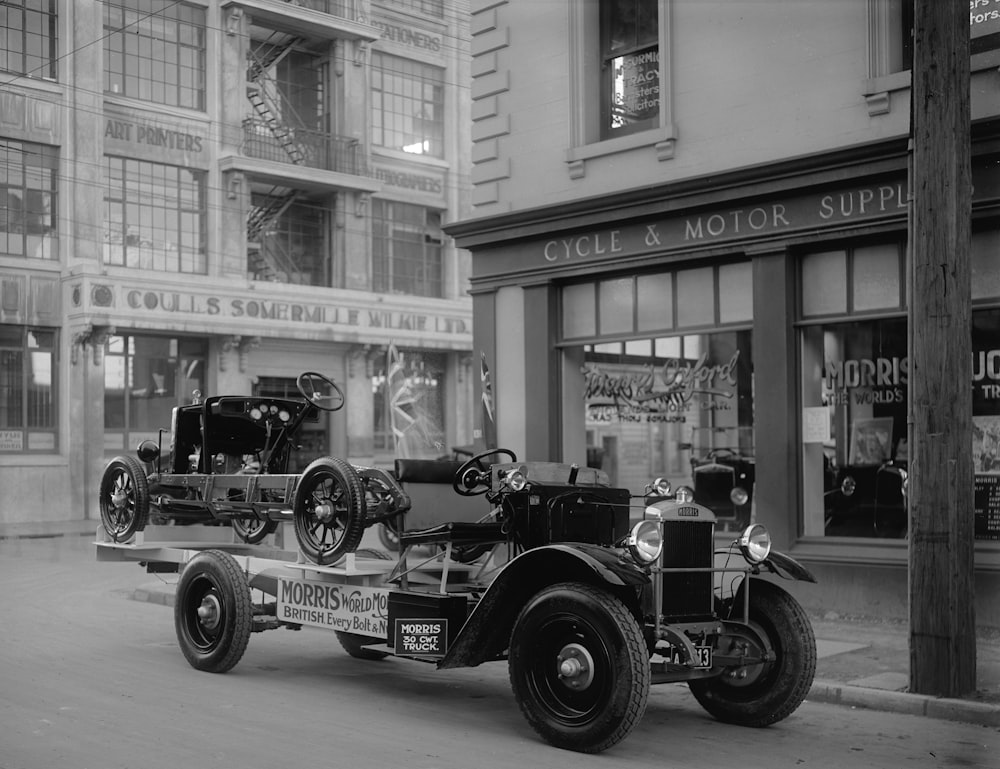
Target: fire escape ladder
(262,261)
(262,92)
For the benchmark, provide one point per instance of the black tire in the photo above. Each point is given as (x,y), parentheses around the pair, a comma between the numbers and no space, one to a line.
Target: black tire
(329,511)
(388,535)
(468,553)
(352,644)
(579,667)
(124,498)
(213,613)
(252,530)
(763,694)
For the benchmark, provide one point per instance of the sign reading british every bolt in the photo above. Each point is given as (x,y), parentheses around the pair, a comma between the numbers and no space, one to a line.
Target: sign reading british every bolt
(350,608)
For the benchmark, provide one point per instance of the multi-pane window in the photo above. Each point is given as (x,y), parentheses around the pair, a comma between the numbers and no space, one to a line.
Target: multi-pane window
(154,50)
(28,183)
(292,247)
(144,378)
(421,7)
(407,105)
(630,65)
(406,249)
(28,396)
(154,216)
(28,32)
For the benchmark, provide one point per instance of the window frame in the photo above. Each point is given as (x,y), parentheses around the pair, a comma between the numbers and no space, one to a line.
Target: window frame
(47,165)
(47,68)
(29,431)
(428,274)
(182,202)
(389,105)
(135,51)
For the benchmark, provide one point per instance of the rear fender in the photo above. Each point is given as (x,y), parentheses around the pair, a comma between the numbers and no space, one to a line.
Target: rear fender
(486,633)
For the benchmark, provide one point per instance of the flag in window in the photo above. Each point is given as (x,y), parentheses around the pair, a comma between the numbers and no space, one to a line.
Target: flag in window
(401,402)
(489,421)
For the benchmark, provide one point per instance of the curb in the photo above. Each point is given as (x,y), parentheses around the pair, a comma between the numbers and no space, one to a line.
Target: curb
(964,711)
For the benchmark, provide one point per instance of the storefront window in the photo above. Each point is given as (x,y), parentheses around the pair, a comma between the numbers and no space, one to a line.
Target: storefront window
(408,391)
(667,381)
(145,377)
(154,216)
(855,376)
(28,410)
(676,407)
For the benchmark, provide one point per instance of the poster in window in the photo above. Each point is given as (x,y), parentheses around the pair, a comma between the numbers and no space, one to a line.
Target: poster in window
(871,441)
(636,88)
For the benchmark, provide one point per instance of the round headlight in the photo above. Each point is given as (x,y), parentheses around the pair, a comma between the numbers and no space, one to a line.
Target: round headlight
(739,496)
(661,487)
(684,495)
(645,543)
(755,543)
(516,479)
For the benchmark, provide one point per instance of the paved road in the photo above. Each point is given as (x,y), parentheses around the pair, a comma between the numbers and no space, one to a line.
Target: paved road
(90,679)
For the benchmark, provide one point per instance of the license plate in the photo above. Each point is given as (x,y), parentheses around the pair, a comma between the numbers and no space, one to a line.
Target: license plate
(702,656)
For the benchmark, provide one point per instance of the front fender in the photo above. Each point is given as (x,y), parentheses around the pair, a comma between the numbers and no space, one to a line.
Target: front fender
(787,567)
(486,633)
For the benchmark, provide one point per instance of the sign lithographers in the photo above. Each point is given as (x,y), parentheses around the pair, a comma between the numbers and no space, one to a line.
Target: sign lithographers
(349,608)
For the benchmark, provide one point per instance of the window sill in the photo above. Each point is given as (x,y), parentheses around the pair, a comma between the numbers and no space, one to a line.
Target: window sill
(878,552)
(662,141)
(877,90)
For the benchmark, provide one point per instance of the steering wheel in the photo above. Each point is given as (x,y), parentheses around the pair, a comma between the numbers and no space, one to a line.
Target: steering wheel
(473,478)
(318,389)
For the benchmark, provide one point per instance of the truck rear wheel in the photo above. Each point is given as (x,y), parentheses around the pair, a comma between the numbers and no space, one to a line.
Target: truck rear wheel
(767,692)
(579,667)
(124,498)
(213,612)
(329,511)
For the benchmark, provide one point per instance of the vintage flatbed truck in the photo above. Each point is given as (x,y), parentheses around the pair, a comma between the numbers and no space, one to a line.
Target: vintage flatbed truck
(589,594)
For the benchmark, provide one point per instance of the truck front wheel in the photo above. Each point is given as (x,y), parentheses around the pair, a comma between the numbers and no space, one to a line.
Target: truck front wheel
(579,667)
(766,692)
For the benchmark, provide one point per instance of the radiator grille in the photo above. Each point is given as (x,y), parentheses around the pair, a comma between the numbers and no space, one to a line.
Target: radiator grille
(687,544)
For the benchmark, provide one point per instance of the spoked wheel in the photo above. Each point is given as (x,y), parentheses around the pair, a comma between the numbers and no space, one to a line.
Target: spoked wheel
(124,498)
(213,613)
(579,667)
(329,511)
(388,535)
(253,531)
(765,692)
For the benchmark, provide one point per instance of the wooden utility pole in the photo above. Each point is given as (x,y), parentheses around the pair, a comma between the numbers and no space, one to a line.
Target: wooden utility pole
(941,587)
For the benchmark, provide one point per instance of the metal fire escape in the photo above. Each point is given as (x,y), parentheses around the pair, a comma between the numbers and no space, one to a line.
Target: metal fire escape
(262,92)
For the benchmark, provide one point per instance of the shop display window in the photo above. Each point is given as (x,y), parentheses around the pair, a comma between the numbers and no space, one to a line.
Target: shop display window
(28,395)
(145,377)
(855,377)
(408,391)
(154,50)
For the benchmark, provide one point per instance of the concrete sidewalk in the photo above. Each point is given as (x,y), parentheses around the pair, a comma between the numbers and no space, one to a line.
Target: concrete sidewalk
(863,662)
